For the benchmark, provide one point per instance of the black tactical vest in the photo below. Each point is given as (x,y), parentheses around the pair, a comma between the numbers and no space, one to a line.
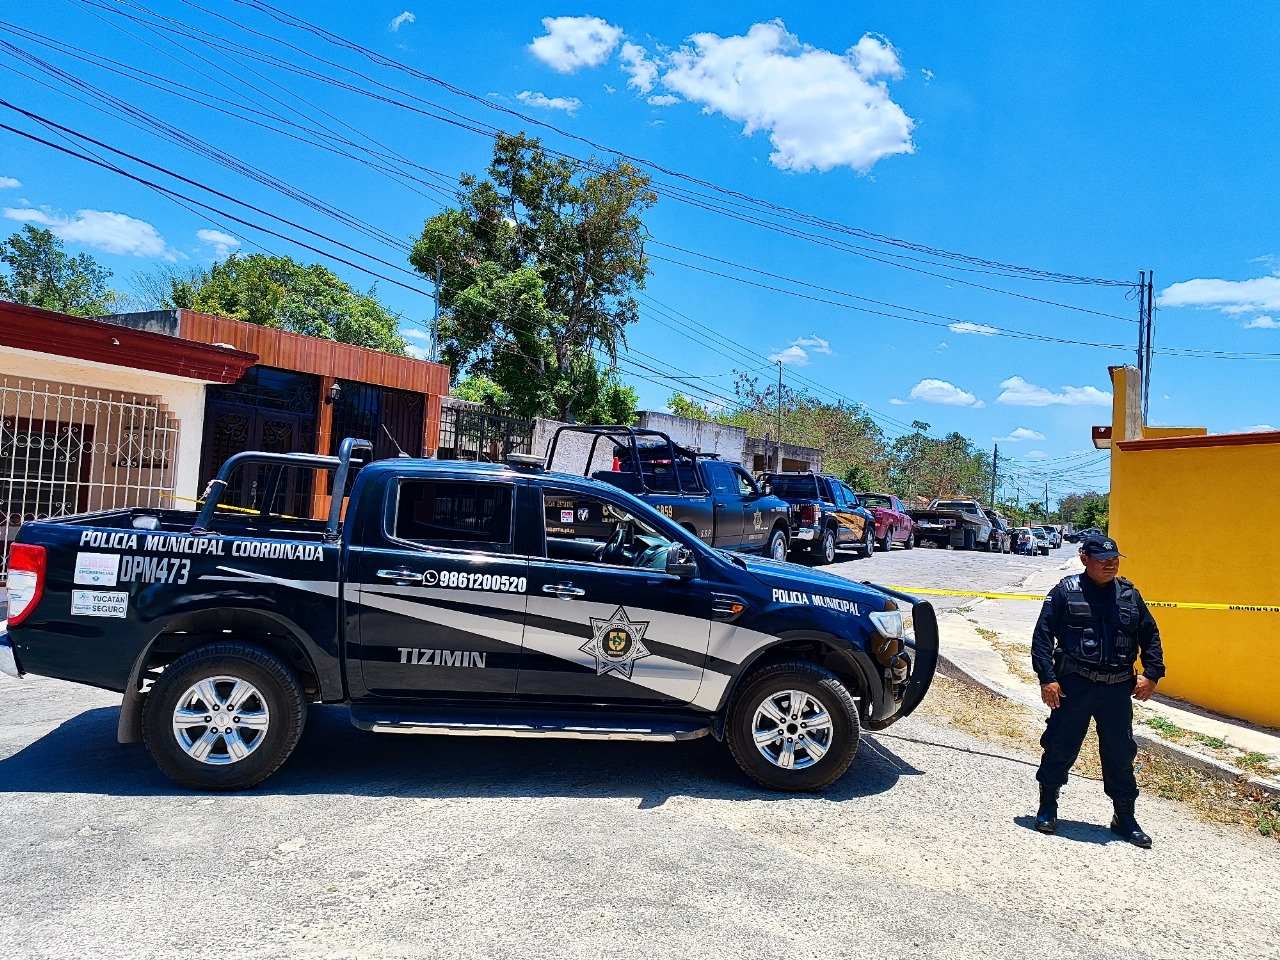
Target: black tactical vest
(1081,639)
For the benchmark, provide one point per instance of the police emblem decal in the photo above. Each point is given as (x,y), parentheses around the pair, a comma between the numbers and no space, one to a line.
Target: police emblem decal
(616,643)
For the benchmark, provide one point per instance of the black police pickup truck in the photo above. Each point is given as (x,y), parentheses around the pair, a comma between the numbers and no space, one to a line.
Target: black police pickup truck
(715,500)
(459,599)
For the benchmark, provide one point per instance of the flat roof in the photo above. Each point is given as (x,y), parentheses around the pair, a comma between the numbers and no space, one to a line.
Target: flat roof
(62,335)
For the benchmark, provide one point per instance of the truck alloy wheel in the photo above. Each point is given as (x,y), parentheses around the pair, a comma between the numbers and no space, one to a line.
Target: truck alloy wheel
(794,726)
(777,548)
(827,546)
(223,717)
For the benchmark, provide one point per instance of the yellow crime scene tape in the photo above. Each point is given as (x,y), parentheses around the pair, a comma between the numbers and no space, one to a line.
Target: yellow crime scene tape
(226,506)
(1245,607)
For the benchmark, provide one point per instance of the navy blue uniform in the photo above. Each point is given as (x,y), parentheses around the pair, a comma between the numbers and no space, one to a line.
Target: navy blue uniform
(1087,640)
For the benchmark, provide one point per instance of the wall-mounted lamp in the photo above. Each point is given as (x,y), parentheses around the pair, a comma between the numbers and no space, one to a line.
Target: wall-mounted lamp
(334,394)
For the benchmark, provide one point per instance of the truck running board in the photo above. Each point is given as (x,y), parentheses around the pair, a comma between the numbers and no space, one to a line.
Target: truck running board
(487,724)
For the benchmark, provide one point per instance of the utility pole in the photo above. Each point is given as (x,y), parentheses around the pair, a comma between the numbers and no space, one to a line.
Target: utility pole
(1046,501)
(995,465)
(1148,340)
(1142,330)
(435,317)
(779,416)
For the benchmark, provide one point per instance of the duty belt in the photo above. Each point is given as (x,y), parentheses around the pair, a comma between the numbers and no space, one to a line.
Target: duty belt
(1098,676)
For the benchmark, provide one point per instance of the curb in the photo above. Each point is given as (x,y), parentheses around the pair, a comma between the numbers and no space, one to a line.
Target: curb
(1209,766)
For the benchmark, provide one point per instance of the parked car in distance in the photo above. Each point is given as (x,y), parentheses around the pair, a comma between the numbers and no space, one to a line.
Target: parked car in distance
(1055,536)
(893,523)
(1042,540)
(1078,535)
(999,541)
(825,515)
(957,522)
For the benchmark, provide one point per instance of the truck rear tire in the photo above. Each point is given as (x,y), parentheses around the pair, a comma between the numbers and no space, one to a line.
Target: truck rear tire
(910,542)
(886,544)
(223,717)
(793,726)
(825,551)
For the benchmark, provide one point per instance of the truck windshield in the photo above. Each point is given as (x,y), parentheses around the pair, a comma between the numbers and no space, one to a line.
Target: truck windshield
(805,485)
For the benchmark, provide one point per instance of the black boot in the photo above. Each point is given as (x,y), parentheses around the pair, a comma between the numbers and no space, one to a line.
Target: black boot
(1124,824)
(1047,815)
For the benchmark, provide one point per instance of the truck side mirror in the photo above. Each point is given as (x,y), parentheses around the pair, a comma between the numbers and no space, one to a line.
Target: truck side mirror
(681,562)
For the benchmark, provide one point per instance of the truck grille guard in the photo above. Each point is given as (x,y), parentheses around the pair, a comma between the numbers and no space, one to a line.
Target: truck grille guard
(925,647)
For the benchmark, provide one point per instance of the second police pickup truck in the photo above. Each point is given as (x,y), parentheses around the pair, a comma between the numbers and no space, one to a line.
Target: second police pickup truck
(455,599)
(715,500)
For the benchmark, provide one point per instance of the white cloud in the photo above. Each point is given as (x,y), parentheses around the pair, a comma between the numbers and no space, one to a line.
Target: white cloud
(100,230)
(414,334)
(406,17)
(1262,323)
(1020,434)
(899,403)
(797,355)
(532,98)
(980,329)
(793,356)
(1036,455)
(939,391)
(1227,296)
(821,109)
(874,56)
(814,344)
(609,89)
(8,183)
(1020,393)
(927,74)
(575,42)
(942,345)
(1260,428)
(222,243)
(642,72)
(664,100)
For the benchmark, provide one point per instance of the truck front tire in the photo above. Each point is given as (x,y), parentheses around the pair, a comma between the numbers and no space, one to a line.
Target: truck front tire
(223,717)
(794,727)
(777,546)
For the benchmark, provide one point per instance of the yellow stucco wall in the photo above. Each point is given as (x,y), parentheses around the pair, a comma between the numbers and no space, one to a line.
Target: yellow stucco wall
(1181,518)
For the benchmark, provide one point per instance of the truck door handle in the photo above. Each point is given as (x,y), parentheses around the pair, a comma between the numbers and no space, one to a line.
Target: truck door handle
(722,506)
(565,591)
(403,575)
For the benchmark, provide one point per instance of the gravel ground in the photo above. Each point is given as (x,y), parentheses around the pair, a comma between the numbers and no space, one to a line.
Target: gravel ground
(420,847)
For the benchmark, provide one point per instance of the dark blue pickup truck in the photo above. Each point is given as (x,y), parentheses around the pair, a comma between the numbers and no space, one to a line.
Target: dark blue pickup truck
(716,501)
(455,599)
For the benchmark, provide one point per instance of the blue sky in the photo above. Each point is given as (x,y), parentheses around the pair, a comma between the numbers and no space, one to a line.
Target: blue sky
(1121,138)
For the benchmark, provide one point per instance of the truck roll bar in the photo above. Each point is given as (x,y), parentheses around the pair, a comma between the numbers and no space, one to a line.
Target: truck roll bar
(341,465)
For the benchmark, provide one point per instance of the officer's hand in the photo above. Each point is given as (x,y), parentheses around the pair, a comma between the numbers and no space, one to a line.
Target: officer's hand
(1053,696)
(1144,689)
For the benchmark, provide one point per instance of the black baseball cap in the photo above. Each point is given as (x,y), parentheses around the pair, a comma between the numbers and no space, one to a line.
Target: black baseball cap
(1100,548)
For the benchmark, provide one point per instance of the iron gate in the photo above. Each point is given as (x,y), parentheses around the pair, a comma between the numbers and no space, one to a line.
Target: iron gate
(471,434)
(66,449)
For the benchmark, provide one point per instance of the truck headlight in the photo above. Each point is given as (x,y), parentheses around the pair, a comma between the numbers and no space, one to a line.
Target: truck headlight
(889,623)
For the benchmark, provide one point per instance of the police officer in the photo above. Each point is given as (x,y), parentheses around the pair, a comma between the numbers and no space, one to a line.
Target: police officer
(1092,628)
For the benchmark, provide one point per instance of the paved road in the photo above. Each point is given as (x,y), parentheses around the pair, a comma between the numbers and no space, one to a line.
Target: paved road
(973,570)
(416,847)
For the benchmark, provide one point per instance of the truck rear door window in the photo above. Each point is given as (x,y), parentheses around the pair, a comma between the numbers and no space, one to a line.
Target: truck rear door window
(454,513)
(800,486)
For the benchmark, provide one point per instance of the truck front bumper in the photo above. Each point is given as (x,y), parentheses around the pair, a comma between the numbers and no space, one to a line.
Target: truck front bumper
(8,663)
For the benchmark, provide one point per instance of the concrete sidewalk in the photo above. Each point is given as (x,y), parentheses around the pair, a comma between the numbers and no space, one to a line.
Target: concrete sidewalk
(988,643)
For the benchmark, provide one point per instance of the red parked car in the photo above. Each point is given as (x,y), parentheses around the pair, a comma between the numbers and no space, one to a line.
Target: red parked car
(893,525)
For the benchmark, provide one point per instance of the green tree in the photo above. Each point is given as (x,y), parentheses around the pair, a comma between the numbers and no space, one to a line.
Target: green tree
(282,293)
(539,263)
(40,273)
(682,406)
(921,465)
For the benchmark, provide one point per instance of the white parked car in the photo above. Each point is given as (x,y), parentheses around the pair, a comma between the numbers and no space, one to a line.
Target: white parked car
(1042,540)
